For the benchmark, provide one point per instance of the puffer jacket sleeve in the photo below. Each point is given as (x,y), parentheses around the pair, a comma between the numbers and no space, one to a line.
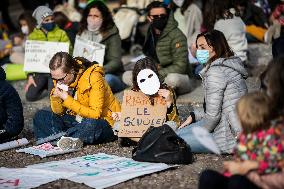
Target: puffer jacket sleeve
(112,60)
(96,99)
(56,104)
(179,51)
(214,94)
(65,38)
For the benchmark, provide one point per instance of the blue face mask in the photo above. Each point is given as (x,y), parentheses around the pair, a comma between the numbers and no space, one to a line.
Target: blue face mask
(48,26)
(82,5)
(202,56)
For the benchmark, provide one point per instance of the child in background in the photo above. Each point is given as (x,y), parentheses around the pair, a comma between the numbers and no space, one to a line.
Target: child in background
(277,18)
(11,110)
(260,140)
(46,30)
(27,24)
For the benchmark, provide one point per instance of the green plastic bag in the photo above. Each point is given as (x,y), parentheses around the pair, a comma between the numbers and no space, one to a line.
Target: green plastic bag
(15,72)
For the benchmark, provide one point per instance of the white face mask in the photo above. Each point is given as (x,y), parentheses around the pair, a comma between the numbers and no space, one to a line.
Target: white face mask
(94,25)
(148,82)
(25,30)
(179,3)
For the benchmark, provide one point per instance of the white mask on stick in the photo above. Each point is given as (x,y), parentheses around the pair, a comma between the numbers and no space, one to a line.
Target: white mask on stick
(148,82)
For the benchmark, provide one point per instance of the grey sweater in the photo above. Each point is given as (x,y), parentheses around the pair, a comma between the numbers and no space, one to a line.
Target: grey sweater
(224,84)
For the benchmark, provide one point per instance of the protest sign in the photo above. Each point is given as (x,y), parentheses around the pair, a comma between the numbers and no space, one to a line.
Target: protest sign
(39,53)
(45,150)
(100,170)
(24,178)
(138,114)
(90,50)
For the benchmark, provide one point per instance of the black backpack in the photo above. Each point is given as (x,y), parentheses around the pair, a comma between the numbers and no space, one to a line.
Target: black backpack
(162,145)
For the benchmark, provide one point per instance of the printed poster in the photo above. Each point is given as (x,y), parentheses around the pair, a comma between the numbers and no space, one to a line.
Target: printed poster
(90,50)
(39,53)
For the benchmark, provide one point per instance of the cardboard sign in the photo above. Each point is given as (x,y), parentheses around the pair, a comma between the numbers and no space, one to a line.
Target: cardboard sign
(39,53)
(90,50)
(138,114)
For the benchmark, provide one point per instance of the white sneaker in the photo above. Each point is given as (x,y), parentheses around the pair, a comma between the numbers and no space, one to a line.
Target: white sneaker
(67,143)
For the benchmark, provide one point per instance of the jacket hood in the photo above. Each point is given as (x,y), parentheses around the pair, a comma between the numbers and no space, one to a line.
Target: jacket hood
(232,62)
(2,74)
(85,75)
(171,24)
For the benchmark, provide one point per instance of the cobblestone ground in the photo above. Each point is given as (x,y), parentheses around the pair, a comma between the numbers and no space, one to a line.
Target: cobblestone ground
(185,176)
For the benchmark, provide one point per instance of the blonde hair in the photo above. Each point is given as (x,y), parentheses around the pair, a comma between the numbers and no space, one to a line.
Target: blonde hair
(254,111)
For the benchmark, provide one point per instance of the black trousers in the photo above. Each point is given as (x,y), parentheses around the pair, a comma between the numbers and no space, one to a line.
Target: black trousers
(43,82)
(210,179)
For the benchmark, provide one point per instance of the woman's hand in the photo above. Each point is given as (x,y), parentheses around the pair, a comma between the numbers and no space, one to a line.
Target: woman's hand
(30,82)
(167,95)
(241,168)
(60,93)
(116,116)
(187,122)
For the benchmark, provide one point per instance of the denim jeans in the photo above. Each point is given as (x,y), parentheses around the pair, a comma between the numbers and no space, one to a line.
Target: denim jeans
(187,135)
(90,131)
(115,83)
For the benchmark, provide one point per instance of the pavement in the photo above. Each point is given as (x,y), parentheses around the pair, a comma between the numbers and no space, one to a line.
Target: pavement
(184,176)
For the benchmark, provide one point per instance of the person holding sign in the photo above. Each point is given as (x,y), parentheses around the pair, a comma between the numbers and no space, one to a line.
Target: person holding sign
(97,25)
(81,101)
(46,30)
(146,80)
(223,79)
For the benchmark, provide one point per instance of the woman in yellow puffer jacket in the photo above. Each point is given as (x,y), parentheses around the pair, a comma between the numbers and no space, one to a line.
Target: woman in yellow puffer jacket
(81,101)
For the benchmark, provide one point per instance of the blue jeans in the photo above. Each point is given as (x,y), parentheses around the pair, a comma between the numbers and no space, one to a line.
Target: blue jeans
(115,83)
(187,135)
(90,131)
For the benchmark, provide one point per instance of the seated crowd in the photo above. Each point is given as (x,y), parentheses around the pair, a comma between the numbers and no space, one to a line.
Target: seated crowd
(185,41)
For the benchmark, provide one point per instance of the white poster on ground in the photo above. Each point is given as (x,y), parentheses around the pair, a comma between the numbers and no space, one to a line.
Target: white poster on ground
(39,53)
(90,50)
(101,170)
(24,178)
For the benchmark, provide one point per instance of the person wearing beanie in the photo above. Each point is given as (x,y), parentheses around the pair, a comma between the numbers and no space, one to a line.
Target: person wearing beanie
(46,30)
(11,110)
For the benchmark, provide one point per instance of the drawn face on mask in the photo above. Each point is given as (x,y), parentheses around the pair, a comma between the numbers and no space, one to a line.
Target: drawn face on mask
(148,82)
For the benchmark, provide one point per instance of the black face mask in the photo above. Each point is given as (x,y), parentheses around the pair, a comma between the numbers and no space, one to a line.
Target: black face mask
(160,23)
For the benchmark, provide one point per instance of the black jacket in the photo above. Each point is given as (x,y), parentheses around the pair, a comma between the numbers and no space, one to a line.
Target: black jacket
(11,110)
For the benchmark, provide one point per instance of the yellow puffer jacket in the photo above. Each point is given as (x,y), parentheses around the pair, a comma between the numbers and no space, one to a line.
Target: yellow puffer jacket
(94,97)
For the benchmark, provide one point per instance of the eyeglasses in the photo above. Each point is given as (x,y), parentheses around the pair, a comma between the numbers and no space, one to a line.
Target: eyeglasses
(60,79)
(158,16)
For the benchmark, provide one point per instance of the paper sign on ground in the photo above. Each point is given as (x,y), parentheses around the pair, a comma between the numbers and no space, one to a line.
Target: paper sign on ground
(13,144)
(101,170)
(90,50)
(206,139)
(39,53)
(138,114)
(24,178)
(45,150)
